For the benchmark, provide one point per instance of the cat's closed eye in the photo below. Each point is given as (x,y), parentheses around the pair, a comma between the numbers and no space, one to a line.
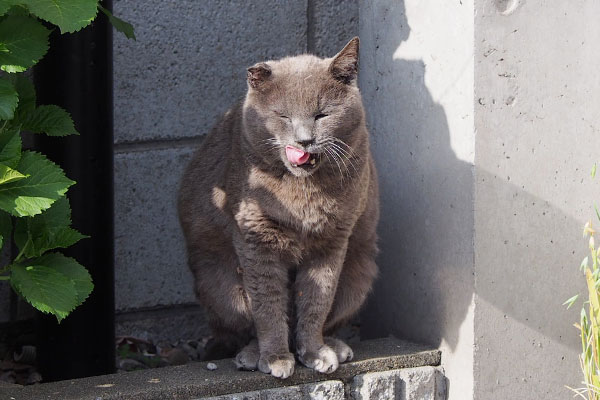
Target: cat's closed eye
(282,116)
(319,116)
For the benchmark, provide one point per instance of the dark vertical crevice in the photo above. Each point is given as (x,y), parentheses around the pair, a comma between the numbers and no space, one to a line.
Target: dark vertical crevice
(76,74)
(310,26)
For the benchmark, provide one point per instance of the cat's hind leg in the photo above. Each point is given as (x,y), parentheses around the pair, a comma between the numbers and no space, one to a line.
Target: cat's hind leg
(248,357)
(220,290)
(354,284)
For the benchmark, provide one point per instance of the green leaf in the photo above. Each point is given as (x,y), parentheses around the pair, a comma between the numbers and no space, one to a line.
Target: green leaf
(10,147)
(46,231)
(26,93)
(45,184)
(594,171)
(5,228)
(71,269)
(121,26)
(8,174)
(571,301)
(45,288)
(50,119)
(5,5)
(23,42)
(68,15)
(8,100)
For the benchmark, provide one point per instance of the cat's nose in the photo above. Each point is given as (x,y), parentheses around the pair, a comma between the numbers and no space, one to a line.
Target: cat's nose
(306,142)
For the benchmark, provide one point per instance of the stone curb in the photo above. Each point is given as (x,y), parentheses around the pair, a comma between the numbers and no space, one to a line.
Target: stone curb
(195,381)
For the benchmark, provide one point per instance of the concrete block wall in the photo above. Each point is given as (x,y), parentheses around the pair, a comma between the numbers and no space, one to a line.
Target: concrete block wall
(421,383)
(187,67)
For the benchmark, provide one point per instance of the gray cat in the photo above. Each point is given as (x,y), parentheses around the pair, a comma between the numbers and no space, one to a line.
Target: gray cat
(279,208)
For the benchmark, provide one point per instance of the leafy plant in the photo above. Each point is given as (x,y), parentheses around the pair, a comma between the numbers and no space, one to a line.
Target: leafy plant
(589,325)
(34,209)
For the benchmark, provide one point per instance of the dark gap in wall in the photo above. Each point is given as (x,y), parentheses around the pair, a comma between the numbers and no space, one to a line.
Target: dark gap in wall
(310,26)
(158,311)
(158,144)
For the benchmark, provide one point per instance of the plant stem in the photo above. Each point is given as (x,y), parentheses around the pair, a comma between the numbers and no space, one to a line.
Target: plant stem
(18,257)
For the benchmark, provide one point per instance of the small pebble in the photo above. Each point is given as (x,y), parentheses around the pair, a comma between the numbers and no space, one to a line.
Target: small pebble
(211,366)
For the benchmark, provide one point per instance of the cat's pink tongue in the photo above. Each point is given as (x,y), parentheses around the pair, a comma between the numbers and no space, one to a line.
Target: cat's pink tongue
(296,156)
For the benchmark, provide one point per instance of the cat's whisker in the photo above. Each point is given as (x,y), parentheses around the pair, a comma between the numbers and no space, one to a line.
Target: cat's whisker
(269,140)
(341,154)
(351,154)
(348,148)
(327,144)
(269,144)
(328,150)
(344,166)
(343,161)
(345,154)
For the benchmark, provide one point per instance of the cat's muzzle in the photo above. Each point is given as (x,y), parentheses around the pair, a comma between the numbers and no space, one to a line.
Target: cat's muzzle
(313,161)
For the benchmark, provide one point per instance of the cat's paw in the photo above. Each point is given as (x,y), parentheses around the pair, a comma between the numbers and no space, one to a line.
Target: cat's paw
(342,350)
(248,357)
(323,360)
(278,365)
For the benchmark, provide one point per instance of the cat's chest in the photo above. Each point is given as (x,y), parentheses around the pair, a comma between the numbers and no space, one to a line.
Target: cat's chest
(301,204)
(310,209)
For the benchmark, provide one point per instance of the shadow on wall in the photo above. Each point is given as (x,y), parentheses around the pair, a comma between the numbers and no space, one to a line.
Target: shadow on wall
(426,226)
(427,268)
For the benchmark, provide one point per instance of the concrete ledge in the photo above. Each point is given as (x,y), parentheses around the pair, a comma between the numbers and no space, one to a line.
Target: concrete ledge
(194,381)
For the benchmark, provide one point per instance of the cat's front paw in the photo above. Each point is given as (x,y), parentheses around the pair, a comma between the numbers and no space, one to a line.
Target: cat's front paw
(342,350)
(323,360)
(278,365)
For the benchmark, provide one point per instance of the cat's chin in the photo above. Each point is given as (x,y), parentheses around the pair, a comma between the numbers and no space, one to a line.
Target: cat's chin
(299,171)
(306,169)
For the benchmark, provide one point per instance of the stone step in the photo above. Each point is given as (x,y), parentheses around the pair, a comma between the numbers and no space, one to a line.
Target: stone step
(381,368)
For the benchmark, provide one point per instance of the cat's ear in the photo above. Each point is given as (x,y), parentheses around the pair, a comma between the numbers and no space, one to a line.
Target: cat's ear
(258,74)
(344,66)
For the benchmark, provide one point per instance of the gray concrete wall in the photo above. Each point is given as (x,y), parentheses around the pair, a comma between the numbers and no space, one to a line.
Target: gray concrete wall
(536,118)
(187,66)
(484,124)
(416,76)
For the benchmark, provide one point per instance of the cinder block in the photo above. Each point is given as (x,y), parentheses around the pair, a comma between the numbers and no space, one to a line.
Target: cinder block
(189,61)
(328,390)
(333,24)
(150,264)
(422,383)
(376,386)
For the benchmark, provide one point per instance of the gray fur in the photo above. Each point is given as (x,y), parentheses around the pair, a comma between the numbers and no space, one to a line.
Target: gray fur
(252,220)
